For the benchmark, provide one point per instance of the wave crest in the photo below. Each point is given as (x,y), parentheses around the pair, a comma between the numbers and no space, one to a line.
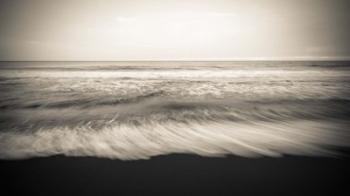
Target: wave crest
(129,142)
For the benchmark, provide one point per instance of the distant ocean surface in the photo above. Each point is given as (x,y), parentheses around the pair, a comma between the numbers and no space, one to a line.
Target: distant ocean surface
(136,110)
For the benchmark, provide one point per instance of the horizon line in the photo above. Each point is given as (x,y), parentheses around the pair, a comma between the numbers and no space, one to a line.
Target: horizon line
(299,58)
(247,60)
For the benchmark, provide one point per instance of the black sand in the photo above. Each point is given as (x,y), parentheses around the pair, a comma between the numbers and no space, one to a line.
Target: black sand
(176,175)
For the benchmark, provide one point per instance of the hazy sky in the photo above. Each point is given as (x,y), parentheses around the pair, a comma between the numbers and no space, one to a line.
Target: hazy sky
(174,29)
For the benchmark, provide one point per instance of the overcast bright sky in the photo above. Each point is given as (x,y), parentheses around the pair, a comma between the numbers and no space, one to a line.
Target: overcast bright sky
(174,29)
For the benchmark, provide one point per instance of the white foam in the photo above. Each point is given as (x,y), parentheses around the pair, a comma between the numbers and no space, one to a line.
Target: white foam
(128,142)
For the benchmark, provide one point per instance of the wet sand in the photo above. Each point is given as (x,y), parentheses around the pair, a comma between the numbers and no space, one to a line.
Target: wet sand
(176,174)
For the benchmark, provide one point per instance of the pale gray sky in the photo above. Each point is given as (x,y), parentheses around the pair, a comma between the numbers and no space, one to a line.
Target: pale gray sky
(174,29)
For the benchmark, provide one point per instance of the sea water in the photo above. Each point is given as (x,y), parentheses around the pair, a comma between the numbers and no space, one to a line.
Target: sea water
(136,110)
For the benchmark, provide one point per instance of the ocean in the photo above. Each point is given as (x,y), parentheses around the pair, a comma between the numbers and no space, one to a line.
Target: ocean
(137,110)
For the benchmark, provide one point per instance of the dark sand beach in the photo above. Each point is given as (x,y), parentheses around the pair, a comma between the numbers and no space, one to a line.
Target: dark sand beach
(177,174)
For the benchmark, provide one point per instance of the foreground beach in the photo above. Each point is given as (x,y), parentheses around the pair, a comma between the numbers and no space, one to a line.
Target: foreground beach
(176,174)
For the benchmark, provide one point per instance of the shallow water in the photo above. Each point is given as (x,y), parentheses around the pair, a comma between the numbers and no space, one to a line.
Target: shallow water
(127,110)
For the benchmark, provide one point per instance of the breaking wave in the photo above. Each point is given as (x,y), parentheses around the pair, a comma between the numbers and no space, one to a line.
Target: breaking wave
(207,139)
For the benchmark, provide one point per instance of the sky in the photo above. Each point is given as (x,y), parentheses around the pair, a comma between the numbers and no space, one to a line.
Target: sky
(94,30)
